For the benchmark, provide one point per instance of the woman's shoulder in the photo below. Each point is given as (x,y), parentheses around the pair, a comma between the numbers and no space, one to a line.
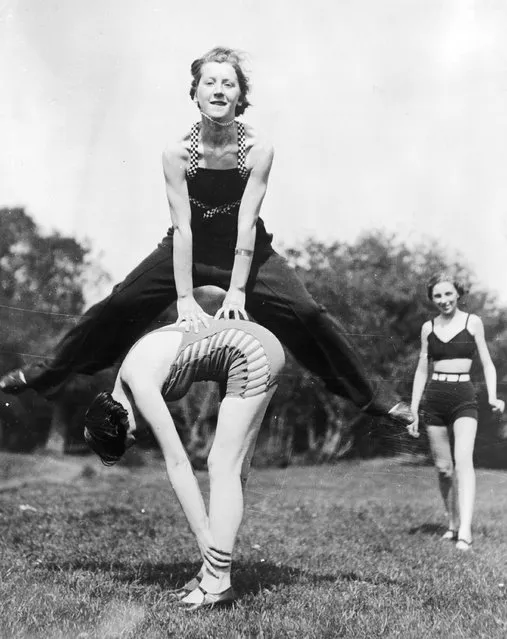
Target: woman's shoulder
(177,150)
(427,327)
(474,323)
(257,140)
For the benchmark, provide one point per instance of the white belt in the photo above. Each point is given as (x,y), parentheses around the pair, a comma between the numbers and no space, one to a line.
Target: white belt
(451,377)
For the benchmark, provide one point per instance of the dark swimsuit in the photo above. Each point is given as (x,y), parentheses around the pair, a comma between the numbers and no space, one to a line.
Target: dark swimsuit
(215,197)
(243,356)
(445,401)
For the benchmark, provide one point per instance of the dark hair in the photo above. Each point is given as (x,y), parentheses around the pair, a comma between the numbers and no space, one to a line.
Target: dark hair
(106,425)
(444,277)
(235,59)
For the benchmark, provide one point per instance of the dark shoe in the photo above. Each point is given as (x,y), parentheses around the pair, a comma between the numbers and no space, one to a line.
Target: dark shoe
(450,535)
(402,414)
(14,382)
(186,589)
(210,600)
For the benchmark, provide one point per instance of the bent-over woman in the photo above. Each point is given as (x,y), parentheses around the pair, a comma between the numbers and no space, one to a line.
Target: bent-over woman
(246,360)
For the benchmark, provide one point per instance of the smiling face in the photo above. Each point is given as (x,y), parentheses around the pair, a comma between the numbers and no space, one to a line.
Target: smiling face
(218,91)
(445,297)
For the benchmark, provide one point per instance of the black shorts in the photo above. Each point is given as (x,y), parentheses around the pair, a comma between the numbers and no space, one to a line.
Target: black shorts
(443,402)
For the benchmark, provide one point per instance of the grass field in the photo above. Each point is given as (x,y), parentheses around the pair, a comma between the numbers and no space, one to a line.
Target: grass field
(351,550)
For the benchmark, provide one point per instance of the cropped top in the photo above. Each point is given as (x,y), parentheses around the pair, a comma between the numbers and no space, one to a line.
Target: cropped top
(460,346)
(215,195)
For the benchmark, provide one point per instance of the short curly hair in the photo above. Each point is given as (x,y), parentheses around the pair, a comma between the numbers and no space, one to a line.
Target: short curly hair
(437,278)
(106,425)
(222,54)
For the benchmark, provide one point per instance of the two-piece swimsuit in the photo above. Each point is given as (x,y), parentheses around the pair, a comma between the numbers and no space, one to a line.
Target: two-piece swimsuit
(449,395)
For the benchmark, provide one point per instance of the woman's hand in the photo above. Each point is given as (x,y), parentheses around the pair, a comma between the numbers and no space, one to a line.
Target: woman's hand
(209,554)
(191,314)
(234,303)
(413,428)
(497,405)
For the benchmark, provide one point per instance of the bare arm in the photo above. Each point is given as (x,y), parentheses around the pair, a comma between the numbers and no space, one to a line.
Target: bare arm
(174,162)
(261,159)
(150,403)
(487,363)
(420,378)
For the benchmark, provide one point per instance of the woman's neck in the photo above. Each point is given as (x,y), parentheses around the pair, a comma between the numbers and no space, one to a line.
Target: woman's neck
(215,134)
(447,319)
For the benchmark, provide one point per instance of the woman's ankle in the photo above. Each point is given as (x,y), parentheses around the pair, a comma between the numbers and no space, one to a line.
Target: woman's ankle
(465,533)
(216,584)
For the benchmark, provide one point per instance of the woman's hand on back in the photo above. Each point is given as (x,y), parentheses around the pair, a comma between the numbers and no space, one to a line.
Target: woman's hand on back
(191,314)
(234,303)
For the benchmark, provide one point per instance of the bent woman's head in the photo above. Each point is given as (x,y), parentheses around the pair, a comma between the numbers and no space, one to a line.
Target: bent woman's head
(106,427)
(227,56)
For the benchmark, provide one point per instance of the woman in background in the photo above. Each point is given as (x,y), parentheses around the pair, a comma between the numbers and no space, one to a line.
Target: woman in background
(451,340)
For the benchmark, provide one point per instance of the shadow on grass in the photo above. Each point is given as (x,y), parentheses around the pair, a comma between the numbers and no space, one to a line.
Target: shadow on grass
(249,578)
(428,529)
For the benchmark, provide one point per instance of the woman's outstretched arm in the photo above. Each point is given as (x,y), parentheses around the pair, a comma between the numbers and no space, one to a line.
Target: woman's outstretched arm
(152,407)
(488,367)
(260,158)
(420,378)
(174,162)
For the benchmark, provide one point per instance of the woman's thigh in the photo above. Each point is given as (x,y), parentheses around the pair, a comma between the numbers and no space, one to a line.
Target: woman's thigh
(465,430)
(239,420)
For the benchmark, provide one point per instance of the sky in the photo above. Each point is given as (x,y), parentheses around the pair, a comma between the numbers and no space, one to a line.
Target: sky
(384,115)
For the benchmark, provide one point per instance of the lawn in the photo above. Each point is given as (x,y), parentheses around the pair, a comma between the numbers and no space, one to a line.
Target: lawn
(351,550)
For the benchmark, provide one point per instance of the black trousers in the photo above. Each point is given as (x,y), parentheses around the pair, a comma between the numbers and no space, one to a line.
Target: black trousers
(275,298)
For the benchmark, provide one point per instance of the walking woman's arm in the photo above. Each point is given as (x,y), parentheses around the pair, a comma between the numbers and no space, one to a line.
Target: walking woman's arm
(488,367)
(420,378)
(174,161)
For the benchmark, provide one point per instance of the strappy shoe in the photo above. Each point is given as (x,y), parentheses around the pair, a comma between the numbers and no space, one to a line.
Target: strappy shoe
(463,544)
(450,535)
(14,382)
(186,589)
(210,600)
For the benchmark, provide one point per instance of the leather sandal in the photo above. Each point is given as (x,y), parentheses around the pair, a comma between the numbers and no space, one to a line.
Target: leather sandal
(186,589)
(210,600)
(14,382)
(463,544)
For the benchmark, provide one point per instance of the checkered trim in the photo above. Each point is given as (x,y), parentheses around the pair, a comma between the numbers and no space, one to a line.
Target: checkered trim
(243,171)
(224,209)
(194,154)
(194,151)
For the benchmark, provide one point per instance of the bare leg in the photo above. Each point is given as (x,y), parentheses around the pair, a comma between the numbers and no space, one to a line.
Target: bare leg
(239,421)
(442,458)
(465,429)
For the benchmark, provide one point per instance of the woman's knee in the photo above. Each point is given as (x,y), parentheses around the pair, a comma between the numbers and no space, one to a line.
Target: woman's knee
(221,463)
(464,463)
(444,467)
(307,311)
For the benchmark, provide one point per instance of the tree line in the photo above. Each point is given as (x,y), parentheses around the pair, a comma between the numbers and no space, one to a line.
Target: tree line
(376,286)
